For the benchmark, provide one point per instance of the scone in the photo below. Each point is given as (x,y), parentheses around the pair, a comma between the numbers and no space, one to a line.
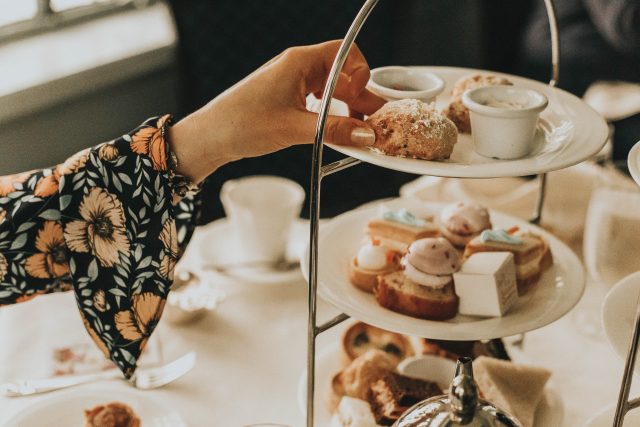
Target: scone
(462,221)
(114,414)
(373,260)
(456,111)
(530,251)
(360,338)
(425,288)
(411,128)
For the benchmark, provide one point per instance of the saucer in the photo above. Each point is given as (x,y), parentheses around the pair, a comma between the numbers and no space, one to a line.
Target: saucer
(214,245)
(619,312)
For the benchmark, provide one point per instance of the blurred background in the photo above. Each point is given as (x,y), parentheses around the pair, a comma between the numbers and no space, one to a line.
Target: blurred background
(74,73)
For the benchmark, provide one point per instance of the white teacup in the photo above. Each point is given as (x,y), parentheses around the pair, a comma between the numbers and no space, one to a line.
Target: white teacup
(261,210)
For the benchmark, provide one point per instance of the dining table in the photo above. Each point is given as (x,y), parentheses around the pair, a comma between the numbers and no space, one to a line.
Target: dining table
(251,349)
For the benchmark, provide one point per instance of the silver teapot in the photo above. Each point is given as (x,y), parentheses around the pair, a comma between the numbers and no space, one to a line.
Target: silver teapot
(462,407)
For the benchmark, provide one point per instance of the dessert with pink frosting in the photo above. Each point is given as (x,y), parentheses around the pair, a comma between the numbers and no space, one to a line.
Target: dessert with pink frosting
(460,222)
(424,289)
(373,259)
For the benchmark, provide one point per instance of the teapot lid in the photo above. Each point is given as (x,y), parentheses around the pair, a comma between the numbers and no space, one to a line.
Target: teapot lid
(462,406)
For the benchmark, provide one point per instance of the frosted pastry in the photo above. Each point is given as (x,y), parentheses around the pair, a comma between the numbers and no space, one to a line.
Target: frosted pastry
(372,260)
(462,221)
(397,229)
(411,128)
(486,284)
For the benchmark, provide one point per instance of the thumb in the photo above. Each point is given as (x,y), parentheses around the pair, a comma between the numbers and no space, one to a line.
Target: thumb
(343,130)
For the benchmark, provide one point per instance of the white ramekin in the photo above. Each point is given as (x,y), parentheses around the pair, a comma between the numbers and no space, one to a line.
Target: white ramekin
(394,83)
(503,132)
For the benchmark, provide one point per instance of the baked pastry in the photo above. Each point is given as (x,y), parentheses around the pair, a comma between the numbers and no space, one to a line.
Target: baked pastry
(391,395)
(411,128)
(455,110)
(352,412)
(373,260)
(515,388)
(530,251)
(354,380)
(360,338)
(456,349)
(114,414)
(425,288)
(462,221)
(397,229)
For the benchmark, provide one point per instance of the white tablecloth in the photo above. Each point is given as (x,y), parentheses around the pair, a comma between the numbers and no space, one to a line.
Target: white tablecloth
(251,353)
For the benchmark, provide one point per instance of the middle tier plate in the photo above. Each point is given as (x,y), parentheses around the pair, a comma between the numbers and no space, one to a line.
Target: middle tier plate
(558,291)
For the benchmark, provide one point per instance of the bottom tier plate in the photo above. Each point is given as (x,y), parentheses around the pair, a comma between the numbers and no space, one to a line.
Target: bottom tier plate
(557,292)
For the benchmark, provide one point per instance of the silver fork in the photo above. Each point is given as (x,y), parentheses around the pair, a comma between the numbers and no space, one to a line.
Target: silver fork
(143,379)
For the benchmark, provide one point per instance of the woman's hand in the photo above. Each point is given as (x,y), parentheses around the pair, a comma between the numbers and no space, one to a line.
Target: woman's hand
(266,111)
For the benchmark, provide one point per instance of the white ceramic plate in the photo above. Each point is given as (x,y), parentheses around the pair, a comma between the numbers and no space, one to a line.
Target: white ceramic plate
(569,132)
(604,418)
(634,162)
(559,289)
(619,312)
(214,244)
(550,410)
(66,408)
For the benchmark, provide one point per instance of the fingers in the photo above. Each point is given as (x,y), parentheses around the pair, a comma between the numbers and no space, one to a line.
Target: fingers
(338,130)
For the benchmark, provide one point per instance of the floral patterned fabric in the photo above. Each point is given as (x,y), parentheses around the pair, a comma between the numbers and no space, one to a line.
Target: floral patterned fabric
(109,223)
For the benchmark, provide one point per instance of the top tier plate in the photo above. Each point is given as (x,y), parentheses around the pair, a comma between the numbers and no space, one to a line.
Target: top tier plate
(569,132)
(634,162)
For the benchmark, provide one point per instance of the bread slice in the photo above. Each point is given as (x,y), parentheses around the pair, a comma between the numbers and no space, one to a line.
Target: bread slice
(514,388)
(398,232)
(397,292)
(360,338)
(365,279)
(391,395)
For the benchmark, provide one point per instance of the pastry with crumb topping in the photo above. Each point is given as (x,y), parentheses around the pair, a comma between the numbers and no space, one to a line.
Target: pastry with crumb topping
(411,128)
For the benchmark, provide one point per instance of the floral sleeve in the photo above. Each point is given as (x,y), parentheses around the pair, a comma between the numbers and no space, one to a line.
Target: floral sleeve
(109,223)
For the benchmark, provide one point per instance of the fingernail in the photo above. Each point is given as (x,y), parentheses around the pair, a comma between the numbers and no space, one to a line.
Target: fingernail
(363,136)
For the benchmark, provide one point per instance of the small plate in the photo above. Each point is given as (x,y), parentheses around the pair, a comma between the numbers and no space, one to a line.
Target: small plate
(213,244)
(66,408)
(569,131)
(559,289)
(550,410)
(634,162)
(619,313)
(604,418)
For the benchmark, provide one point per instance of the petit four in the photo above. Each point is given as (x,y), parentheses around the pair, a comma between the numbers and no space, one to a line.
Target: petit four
(360,338)
(373,259)
(486,284)
(114,414)
(530,252)
(411,128)
(456,111)
(460,222)
(352,412)
(515,388)
(425,288)
(398,229)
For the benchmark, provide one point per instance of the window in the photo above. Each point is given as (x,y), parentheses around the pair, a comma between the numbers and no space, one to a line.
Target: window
(26,17)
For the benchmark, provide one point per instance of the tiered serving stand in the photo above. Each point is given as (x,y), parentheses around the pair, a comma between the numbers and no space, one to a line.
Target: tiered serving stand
(583,142)
(624,405)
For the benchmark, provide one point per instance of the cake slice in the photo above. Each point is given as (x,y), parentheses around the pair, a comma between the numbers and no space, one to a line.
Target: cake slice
(514,388)
(397,292)
(393,394)
(398,235)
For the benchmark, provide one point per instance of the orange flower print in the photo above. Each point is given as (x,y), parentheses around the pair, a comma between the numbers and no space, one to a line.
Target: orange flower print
(108,152)
(94,336)
(74,163)
(51,261)
(138,323)
(7,183)
(4,267)
(101,230)
(149,141)
(47,185)
(169,238)
(100,301)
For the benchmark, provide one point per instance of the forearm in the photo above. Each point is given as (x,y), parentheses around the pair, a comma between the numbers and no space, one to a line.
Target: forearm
(618,21)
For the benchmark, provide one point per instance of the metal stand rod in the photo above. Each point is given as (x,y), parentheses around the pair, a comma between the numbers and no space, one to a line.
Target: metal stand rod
(537,214)
(338,166)
(624,405)
(316,177)
(331,323)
